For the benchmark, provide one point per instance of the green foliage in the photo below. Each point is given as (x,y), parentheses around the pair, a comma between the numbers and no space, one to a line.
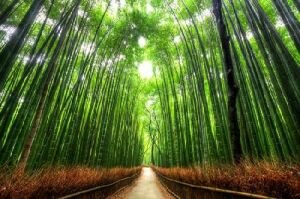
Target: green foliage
(70,82)
(192,112)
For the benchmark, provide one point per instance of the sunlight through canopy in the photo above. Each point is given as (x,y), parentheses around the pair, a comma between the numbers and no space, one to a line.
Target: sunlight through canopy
(146,69)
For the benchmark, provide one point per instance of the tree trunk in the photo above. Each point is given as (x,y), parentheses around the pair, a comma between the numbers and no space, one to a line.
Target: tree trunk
(232,86)
(45,85)
(5,14)
(29,141)
(15,43)
(289,20)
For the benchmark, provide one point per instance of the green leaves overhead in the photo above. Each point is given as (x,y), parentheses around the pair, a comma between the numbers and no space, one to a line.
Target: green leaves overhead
(70,92)
(65,100)
(193,93)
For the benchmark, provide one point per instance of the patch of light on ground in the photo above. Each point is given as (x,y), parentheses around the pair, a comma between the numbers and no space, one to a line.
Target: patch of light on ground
(142,42)
(145,69)
(147,172)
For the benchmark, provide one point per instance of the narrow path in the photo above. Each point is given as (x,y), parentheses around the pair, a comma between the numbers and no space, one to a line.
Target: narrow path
(146,187)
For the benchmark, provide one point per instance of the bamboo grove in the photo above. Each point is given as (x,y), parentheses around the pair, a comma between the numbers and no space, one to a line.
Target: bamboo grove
(197,89)
(64,88)
(226,83)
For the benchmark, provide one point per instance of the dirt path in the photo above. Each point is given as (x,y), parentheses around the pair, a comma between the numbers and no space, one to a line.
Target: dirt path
(146,187)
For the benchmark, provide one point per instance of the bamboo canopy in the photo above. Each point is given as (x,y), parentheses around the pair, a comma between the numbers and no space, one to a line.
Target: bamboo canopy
(225,83)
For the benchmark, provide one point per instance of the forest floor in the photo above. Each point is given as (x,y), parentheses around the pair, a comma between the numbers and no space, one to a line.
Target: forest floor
(146,186)
(264,178)
(60,181)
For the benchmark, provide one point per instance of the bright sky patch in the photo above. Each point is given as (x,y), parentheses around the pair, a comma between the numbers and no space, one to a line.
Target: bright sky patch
(142,42)
(145,69)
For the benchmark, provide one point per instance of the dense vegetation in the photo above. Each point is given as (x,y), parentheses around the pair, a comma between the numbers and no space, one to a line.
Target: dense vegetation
(200,102)
(65,87)
(226,82)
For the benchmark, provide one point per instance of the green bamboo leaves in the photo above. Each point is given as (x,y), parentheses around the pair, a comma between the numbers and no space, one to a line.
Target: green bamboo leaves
(69,102)
(195,126)
(70,93)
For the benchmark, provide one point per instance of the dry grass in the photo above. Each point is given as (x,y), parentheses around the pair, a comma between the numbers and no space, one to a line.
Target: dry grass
(59,181)
(277,180)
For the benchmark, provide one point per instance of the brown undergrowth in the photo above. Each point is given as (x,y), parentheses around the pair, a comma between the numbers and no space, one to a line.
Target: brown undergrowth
(270,179)
(54,182)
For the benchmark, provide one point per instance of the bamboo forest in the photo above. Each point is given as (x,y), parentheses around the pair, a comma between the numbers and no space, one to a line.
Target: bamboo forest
(141,99)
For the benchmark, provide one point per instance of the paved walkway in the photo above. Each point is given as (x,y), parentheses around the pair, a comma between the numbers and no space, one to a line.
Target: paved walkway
(146,187)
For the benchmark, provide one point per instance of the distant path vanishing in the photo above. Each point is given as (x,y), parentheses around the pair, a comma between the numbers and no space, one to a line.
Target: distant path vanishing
(147,186)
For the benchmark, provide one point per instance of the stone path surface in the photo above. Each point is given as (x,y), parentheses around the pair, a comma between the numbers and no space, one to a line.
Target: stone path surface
(146,187)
